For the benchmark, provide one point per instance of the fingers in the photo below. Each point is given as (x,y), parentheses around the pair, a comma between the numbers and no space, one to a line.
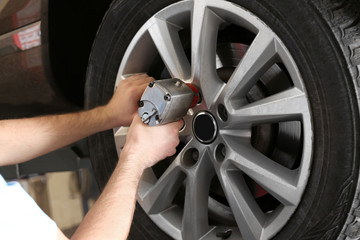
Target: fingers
(141,78)
(137,119)
(175,125)
(179,124)
(155,143)
(139,89)
(138,83)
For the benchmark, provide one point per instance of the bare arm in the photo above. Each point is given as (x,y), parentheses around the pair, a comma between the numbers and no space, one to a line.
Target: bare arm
(25,139)
(111,216)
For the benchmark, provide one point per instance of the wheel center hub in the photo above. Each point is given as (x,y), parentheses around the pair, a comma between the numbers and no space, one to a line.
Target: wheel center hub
(205,127)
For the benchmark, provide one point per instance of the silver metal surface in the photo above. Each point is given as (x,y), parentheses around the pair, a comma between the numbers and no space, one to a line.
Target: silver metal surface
(231,157)
(165,101)
(26,83)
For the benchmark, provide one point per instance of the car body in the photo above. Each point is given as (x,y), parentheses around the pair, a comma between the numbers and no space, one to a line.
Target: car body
(40,75)
(43,58)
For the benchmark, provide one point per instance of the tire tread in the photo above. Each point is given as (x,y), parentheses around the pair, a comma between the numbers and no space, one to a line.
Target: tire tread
(343,17)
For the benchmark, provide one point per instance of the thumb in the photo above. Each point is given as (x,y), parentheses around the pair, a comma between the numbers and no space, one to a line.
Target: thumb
(136,118)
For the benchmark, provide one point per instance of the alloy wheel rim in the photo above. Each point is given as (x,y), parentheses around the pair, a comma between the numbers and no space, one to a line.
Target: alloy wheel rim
(231,155)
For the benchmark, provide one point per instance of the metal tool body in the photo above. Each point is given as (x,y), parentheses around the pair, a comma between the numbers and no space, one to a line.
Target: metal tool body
(166,101)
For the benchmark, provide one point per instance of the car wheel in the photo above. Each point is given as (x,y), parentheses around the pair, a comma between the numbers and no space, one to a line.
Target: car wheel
(271,150)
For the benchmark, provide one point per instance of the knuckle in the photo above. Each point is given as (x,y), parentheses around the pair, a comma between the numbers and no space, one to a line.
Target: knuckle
(172,152)
(132,91)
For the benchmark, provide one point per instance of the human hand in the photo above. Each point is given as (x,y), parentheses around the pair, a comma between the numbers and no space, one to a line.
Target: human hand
(145,145)
(124,103)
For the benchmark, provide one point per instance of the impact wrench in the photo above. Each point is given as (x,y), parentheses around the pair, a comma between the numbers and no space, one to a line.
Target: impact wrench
(166,101)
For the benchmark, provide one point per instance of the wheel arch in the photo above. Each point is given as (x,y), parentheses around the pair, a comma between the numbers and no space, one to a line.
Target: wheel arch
(69,28)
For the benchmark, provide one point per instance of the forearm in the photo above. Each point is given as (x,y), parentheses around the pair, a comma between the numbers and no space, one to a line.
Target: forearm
(111,216)
(25,139)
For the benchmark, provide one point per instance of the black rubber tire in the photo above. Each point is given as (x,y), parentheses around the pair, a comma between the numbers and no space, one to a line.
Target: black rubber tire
(323,37)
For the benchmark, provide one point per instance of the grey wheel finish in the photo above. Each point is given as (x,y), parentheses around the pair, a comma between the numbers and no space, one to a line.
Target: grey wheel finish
(253,100)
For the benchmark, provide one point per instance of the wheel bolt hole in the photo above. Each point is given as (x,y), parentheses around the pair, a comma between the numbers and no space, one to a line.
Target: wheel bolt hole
(191,157)
(225,234)
(220,152)
(222,113)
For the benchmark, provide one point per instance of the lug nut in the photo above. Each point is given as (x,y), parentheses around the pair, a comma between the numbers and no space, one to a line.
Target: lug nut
(140,103)
(151,84)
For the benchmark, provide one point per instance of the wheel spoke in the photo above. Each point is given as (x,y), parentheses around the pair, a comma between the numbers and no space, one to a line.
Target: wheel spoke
(288,105)
(160,196)
(279,181)
(258,59)
(290,66)
(195,216)
(241,134)
(249,217)
(167,41)
(205,25)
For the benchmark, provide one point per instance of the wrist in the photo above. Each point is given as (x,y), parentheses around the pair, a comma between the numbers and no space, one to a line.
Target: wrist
(129,161)
(108,115)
